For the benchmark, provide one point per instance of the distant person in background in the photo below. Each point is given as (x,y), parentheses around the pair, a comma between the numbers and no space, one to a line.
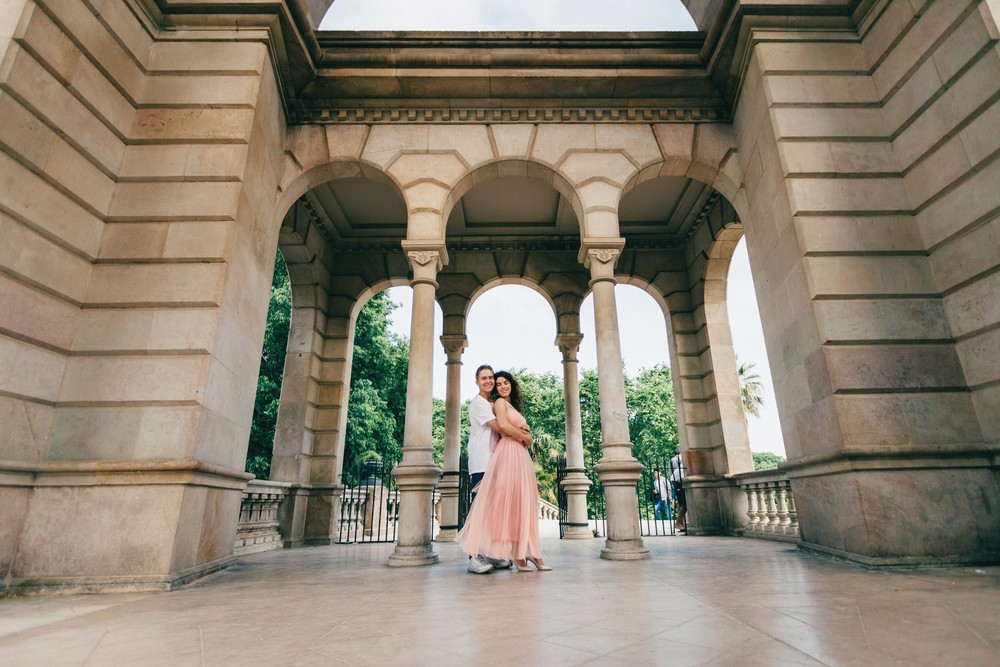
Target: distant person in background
(661,496)
(677,480)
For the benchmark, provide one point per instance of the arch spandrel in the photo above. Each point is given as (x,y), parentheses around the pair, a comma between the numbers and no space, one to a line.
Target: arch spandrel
(700,152)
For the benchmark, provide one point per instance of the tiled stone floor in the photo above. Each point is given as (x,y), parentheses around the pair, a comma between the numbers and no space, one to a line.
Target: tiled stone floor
(698,601)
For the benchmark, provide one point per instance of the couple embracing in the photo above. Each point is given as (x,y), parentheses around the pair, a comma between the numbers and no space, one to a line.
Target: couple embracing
(502,526)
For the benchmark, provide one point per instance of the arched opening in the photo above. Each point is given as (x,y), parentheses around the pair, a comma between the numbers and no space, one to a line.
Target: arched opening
(756,384)
(340,240)
(272,366)
(679,233)
(649,396)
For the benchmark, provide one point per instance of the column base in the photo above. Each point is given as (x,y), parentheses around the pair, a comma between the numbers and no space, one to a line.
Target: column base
(578,533)
(412,556)
(986,558)
(182,518)
(929,506)
(446,535)
(87,585)
(624,550)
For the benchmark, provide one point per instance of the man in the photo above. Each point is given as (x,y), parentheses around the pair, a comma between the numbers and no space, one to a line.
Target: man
(676,480)
(483,434)
(662,494)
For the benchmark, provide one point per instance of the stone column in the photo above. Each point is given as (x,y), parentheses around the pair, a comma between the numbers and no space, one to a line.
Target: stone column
(618,470)
(576,482)
(448,486)
(416,476)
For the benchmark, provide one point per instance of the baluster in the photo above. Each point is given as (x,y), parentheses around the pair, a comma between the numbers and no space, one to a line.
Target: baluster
(751,507)
(761,525)
(793,515)
(783,520)
(772,510)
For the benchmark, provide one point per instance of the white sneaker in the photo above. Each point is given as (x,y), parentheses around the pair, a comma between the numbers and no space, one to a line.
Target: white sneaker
(479,565)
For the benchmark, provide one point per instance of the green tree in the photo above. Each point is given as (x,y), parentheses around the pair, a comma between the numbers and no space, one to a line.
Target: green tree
(437,432)
(751,388)
(377,406)
(652,414)
(272,363)
(545,412)
(590,416)
(370,426)
(766,460)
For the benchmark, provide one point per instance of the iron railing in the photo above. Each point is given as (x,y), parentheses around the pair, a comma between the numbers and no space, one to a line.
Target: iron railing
(369,508)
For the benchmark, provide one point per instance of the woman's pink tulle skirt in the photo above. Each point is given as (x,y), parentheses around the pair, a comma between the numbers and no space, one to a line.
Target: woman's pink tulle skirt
(503,520)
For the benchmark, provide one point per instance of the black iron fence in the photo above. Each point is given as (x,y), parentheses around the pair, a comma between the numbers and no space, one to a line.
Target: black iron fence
(369,508)
(657,502)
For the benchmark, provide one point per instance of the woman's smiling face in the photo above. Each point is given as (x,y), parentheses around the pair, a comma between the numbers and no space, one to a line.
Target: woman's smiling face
(503,386)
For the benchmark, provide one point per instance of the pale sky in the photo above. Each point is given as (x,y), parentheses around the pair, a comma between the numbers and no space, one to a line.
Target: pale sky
(528,341)
(546,15)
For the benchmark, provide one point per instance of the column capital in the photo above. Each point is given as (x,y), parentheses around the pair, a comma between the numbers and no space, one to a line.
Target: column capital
(426,258)
(569,345)
(601,256)
(454,345)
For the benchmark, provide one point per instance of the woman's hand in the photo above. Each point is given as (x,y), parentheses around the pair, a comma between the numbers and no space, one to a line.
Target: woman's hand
(506,427)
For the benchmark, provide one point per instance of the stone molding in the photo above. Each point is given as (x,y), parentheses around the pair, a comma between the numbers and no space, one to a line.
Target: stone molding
(86,585)
(120,473)
(547,114)
(887,458)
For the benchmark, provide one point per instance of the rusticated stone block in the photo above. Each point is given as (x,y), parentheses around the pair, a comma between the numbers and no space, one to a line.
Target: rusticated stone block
(893,516)
(893,367)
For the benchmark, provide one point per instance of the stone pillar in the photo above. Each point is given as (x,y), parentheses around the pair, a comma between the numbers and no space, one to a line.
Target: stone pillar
(576,482)
(618,470)
(448,486)
(416,476)
(713,425)
(868,240)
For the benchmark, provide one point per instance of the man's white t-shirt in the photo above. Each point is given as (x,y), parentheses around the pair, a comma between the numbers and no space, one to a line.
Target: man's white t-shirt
(481,436)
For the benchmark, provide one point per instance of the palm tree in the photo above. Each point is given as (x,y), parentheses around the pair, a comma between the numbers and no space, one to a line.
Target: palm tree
(751,388)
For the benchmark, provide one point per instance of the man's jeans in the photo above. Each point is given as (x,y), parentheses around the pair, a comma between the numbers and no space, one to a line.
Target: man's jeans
(662,510)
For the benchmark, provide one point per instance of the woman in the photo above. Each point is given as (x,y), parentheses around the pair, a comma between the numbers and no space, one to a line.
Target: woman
(503,522)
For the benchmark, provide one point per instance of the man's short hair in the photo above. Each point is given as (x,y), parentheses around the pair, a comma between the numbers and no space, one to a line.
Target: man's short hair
(656,470)
(482,368)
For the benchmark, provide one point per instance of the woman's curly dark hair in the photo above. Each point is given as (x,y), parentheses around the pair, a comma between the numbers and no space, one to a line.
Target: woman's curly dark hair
(515,391)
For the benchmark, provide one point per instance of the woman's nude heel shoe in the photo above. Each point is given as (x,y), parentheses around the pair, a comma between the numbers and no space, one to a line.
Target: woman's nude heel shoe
(522,566)
(539,565)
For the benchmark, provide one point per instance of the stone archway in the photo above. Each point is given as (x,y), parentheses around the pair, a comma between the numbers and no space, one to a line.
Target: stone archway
(148,160)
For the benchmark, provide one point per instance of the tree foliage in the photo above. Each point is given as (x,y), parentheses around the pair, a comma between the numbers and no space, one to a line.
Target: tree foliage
(377,406)
(751,388)
(272,364)
(766,460)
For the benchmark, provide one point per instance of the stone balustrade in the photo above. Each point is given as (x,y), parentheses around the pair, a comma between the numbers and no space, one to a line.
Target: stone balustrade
(770,506)
(258,526)
(547,511)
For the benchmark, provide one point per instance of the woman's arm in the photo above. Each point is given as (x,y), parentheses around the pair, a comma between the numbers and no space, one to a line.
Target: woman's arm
(506,427)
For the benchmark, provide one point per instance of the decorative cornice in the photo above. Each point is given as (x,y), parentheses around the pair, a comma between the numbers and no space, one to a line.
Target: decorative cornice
(449,115)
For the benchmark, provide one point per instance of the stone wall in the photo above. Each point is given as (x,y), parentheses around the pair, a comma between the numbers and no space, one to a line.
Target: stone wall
(139,172)
(844,138)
